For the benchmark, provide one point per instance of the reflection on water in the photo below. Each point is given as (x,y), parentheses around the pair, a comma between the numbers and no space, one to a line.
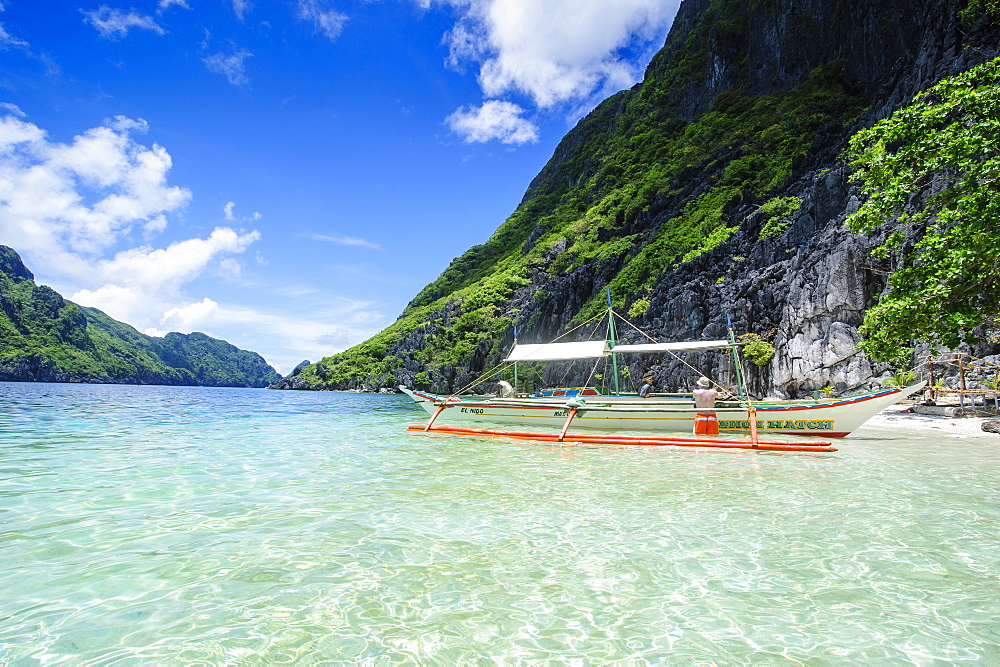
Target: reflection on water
(189,524)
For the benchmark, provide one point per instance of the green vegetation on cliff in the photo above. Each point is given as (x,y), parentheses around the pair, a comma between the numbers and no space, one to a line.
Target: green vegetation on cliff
(593,207)
(726,139)
(933,170)
(44,337)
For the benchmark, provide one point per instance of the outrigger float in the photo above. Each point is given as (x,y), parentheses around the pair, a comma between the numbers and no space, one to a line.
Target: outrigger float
(597,408)
(632,440)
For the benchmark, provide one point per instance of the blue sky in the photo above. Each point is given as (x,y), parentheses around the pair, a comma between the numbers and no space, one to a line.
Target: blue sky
(286,175)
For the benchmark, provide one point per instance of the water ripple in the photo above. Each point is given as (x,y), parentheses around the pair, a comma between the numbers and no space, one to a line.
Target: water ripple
(158,524)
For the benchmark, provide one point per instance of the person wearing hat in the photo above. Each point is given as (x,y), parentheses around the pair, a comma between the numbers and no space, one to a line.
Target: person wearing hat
(647,387)
(705,421)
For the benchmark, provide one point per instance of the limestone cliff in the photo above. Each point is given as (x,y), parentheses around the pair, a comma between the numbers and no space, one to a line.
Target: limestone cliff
(714,186)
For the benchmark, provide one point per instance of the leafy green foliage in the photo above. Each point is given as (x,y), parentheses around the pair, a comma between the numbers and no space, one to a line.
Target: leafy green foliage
(639,307)
(931,170)
(993,384)
(779,211)
(756,349)
(901,378)
(975,9)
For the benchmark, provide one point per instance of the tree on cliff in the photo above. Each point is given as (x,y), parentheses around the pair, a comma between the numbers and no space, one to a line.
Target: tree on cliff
(932,169)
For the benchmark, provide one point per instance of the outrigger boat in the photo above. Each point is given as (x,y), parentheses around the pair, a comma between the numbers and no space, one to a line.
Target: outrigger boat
(832,418)
(597,408)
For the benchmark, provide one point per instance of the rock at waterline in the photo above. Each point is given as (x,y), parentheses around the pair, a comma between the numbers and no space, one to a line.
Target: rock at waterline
(992,426)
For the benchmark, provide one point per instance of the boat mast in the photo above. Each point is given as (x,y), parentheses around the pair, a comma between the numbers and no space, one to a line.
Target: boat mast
(736,359)
(612,342)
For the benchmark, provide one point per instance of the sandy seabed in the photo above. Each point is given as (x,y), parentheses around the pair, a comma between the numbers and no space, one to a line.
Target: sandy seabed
(898,418)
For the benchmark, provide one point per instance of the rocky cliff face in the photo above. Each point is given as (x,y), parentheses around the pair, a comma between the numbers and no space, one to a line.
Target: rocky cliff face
(753,227)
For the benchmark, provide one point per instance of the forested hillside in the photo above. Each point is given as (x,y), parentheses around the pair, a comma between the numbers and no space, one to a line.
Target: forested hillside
(44,337)
(720,184)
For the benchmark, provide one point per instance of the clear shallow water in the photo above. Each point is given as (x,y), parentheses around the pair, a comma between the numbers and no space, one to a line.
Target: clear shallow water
(177,524)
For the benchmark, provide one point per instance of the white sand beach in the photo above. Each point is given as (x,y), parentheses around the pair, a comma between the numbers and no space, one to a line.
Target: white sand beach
(897,418)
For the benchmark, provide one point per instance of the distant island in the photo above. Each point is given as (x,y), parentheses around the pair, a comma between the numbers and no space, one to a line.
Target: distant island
(46,338)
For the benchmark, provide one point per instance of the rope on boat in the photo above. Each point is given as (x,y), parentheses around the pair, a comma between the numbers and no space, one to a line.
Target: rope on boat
(501,367)
(671,353)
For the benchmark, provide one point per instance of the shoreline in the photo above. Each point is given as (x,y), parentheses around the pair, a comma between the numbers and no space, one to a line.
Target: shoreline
(898,418)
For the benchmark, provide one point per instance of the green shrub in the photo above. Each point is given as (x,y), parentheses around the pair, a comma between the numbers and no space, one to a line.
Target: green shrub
(779,210)
(756,349)
(639,307)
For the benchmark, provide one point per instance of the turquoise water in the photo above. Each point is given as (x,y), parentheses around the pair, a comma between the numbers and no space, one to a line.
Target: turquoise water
(186,525)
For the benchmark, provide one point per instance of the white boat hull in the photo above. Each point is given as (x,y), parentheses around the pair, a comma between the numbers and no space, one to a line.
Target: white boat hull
(829,418)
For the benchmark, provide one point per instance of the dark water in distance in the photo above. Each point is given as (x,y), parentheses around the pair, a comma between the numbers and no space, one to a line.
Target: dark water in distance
(185,524)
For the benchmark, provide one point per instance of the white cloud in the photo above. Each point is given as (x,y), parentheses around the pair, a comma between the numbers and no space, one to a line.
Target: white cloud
(556,50)
(229,214)
(155,225)
(323,17)
(495,119)
(83,195)
(241,7)
(191,315)
(66,206)
(342,240)
(112,23)
(8,40)
(167,4)
(557,54)
(12,109)
(115,300)
(230,268)
(230,66)
(137,285)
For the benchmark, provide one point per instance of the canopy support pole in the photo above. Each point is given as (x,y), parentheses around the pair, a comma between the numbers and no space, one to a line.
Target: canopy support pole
(515,363)
(736,359)
(612,342)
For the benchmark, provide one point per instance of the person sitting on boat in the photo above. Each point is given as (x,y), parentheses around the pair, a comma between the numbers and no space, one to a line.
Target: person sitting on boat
(705,421)
(647,387)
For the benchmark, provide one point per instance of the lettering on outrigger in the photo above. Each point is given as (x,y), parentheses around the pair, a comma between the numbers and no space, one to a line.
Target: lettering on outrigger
(805,425)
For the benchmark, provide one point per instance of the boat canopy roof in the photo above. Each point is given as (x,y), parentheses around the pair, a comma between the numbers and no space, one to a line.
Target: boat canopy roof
(684,346)
(592,349)
(588,349)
